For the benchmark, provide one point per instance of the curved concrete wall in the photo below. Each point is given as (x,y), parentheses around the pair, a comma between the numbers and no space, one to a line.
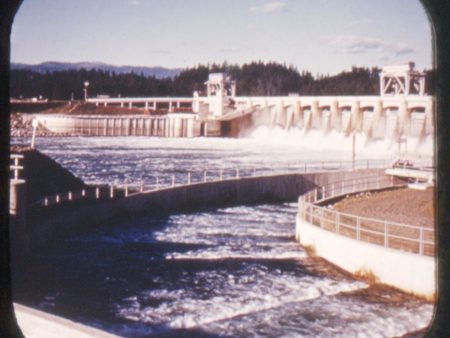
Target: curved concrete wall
(410,272)
(253,190)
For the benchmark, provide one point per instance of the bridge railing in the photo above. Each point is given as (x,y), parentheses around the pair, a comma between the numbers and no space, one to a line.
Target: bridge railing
(15,166)
(127,188)
(410,238)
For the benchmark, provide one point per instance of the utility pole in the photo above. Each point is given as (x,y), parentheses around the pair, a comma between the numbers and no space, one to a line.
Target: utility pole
(353,150)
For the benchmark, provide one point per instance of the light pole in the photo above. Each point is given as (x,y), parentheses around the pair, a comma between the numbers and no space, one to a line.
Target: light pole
(86,85)
(35,124)
(353,150)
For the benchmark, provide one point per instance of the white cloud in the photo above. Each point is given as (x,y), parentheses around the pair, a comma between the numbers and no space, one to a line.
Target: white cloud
(402,49)
(134,2)
(363,22)
(159,51)
(230,49)
(270,7)
(354,44)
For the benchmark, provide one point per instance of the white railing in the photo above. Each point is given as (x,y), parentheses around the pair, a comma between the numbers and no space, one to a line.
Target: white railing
(127,189)
(15,167)
(398,236)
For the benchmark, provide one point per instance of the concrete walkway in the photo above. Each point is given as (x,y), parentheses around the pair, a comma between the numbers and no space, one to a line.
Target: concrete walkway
(38,324)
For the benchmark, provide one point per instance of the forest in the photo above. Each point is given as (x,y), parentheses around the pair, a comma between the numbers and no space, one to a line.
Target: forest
(255,78)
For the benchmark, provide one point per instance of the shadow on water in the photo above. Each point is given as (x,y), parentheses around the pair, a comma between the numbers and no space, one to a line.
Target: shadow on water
(86,275)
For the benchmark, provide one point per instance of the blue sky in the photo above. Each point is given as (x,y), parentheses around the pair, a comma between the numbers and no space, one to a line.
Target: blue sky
(321,36)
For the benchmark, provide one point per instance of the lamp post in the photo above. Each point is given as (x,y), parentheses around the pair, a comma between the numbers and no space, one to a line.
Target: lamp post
(35,124)
(86,85)
(353,150)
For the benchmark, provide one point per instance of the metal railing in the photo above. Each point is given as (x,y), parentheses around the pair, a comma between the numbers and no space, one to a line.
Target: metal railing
(126,189)
(15,167)
(416,239)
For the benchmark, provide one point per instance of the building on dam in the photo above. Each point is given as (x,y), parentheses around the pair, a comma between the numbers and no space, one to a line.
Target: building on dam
(402,109)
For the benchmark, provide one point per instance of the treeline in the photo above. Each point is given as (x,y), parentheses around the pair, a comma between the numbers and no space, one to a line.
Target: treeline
(256,78)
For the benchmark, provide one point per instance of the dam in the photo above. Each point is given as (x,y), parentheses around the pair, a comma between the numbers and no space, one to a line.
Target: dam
(401,110)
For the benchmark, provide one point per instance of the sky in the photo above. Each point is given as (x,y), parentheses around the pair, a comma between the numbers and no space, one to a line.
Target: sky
(320,36)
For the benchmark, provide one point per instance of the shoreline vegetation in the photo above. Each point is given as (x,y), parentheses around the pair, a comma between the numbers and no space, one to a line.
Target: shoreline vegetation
(252,79)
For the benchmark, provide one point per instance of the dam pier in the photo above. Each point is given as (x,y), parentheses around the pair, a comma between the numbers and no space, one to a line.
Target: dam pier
(402,109)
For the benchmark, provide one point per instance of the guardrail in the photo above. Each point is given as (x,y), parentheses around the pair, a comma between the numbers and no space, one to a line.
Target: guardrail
(105,191)
(15,167)
(398,236)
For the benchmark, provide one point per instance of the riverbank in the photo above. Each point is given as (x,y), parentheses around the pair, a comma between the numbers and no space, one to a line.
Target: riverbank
(21,126)
(406,206)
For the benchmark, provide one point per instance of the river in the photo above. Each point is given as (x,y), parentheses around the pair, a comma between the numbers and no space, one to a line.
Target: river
(228,272)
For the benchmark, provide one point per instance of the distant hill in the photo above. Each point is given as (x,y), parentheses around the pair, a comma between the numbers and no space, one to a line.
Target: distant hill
(53,66)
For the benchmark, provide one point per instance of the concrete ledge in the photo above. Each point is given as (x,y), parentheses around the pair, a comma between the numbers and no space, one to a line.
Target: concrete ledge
(407,271)
(38,324)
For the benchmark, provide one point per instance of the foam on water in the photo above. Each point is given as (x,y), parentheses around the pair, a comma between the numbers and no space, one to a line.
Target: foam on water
(232,295)
(337,141)
(236,233)
(228,272)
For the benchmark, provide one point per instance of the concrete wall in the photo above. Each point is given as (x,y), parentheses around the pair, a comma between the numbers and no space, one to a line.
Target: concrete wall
(410,272)
(38,324)
(170,125)
(254,190)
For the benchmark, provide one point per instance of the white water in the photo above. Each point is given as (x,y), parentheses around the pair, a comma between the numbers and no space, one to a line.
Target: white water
(234,272)
(318,141)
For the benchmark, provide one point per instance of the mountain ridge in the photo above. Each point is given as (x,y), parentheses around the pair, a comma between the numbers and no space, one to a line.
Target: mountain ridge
(54,66)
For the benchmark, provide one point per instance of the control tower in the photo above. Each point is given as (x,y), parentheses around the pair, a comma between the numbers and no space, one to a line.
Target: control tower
(402,80)
(220,88)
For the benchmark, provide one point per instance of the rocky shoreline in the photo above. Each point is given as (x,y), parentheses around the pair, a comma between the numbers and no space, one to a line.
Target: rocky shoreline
(21,126)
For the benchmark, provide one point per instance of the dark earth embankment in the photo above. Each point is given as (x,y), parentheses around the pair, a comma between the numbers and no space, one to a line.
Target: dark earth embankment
(44,176)
(408,206)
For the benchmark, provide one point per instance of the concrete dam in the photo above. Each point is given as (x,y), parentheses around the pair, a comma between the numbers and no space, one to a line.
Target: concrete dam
(401,110)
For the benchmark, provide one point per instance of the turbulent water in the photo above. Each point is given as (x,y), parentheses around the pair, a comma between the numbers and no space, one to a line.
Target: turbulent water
(230,272)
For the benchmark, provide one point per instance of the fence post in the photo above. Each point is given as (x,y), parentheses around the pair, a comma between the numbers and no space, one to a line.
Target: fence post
(304,205)
(315,195)
(57,198)
(83,192)
(421,241)
(45,201)
(221,174)
(323,193)
(111,192)
(338,220)
(142,185)
(204,176)
(69,195)
(126,189)
(386,235)
(189,177)
(358,228)
(97,193)
(332,189)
